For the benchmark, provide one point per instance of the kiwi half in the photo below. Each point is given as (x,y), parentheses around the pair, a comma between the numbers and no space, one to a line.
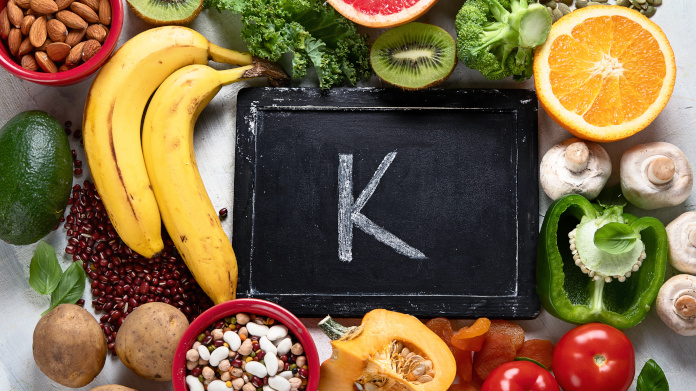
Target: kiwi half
(414,56)
(166,12)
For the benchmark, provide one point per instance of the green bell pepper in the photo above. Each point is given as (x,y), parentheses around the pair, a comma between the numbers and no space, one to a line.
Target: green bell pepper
(567,284)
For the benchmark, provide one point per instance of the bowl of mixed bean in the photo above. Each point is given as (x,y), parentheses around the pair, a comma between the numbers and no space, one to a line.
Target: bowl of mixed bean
(247,345)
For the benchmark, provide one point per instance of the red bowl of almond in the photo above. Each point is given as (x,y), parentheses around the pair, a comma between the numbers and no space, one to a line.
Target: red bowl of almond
(58,42)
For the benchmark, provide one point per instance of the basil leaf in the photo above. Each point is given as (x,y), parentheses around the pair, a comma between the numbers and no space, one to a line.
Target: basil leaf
(70,288)
(44,269)
(652,378)
(616,238)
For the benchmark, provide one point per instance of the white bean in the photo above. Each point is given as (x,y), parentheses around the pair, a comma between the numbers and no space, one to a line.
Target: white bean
(278,383)
(256,368)
(218,355)
(271,363)
(286,374)
(194,384)
(268,388)
(267,346)
(257,330)
(277,332)
(204,353)
(232,339)
(218,385)
(284,346)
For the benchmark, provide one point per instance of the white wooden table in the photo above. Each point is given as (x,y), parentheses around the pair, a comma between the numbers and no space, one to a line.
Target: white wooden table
(21,306)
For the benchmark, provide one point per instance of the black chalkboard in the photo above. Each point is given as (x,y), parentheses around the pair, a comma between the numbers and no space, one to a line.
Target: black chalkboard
(357,198)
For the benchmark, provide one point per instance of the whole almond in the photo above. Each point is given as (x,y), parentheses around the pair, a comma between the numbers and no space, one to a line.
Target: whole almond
(45,63)
(56,30)
(25,47)
(38,32)
(75,55)
(14,13)
(63,4)
(26,24)
(23,3)
(44,47)
(97,32)
(4,24)
(29,63)
(85,12)
(14,40)
(90,49)
(44,6)
(58,51)
(93,4)
(75,36)
(71,19)
(65,67)
(105,12)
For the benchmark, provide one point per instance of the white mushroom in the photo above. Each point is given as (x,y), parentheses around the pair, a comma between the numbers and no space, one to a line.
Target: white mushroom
(681,233)
(575,167)
(655,175)
(676,304)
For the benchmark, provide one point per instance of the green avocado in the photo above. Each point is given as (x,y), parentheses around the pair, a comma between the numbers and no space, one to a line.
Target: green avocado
(35,176)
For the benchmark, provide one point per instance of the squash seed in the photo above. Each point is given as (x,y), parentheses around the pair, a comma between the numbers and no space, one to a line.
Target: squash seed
(581,3)
(650,11)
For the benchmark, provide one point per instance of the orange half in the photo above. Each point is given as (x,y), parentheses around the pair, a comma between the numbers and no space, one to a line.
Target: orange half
(604,73)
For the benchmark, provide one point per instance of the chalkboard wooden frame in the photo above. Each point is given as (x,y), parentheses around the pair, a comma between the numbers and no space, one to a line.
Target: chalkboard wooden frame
(252,103)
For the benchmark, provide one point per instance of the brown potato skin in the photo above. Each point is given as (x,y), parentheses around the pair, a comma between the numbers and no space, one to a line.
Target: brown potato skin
(112,387)
(147,340)
(69,346)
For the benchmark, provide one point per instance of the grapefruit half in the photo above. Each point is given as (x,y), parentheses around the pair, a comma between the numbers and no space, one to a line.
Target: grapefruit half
(382,13)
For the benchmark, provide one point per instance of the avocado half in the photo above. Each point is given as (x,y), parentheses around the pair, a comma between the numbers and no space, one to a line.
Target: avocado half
(166,12)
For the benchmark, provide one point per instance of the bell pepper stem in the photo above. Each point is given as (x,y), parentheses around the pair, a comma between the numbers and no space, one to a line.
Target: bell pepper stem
(596,304)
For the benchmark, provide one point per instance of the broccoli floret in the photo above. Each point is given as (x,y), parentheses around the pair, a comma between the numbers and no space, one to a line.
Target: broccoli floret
(498,37)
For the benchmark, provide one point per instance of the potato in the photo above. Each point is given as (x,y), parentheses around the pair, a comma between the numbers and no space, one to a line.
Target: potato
(69,346)
(112,387)
(147,340)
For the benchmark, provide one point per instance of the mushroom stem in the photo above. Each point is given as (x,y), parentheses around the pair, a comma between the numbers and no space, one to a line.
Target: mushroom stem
(661,170)
(577,156)
(685,306)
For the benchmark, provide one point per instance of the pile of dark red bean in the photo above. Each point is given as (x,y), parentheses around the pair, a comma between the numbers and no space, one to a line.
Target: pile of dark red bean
(121,278)
(249,353)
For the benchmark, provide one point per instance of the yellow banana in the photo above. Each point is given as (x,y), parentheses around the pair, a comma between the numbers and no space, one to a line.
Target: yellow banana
(113,116)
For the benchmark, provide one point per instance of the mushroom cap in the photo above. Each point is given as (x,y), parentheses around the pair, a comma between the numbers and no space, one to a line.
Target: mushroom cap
(681,233)
(557,180)
(680,286)
(637,186)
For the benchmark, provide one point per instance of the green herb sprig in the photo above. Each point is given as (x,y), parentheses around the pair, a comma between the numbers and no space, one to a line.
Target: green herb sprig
(616,238)
(46,277)
(652,378)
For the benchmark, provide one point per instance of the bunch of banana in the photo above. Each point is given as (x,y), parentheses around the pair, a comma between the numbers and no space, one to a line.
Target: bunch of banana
(111,126)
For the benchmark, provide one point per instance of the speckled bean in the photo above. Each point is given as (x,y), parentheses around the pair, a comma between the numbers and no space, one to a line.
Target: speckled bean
(248,387)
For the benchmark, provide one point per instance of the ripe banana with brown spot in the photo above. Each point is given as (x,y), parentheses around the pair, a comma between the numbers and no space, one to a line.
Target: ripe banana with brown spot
(186,209)
(112,122)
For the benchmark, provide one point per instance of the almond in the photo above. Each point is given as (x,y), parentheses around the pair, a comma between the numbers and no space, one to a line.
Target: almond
(44,6)
(38,32)
(56,30)
(14,40)
(25,47)
(23,3)
(58,51)
(90,49)
(63,4)
(4,24)
(26,24)
(65,67)
(44,47)
(105,12)
(85,12)
(97,32)
(29,63)
(45,63)
(75,55)
(14,13)
(74,37)
(71,19)
(93,4)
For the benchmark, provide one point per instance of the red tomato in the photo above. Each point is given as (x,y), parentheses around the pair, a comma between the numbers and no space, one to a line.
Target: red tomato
(594,357)
(520,376)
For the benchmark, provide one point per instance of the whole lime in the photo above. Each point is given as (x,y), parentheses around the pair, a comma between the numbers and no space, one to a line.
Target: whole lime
(35,176)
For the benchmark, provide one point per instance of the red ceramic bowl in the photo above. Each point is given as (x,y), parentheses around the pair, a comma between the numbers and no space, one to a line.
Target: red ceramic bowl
(77,74)
(250,306)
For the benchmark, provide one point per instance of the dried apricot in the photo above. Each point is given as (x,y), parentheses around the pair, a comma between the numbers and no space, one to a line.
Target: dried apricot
(443,328)
(462,387)
(471,338)
(539,350)
(464,364)
(513,331)
(497,349)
